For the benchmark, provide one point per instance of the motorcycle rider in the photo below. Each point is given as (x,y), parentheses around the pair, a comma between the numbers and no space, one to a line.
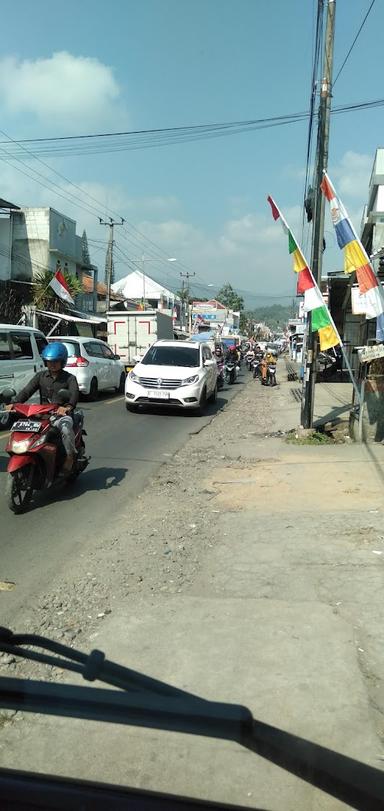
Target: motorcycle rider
(270,358)
(48,383)
(219,353)
(232,355)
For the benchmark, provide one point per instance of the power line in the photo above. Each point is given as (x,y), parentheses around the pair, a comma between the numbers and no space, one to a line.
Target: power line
(354,41)
(109,142)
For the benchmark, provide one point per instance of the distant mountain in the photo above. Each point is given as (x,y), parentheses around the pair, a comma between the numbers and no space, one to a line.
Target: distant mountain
(274,316)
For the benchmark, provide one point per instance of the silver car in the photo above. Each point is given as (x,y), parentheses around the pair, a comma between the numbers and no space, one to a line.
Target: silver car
(94,365)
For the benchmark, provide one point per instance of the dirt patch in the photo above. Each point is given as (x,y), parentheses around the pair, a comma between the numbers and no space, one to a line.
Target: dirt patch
(287,484)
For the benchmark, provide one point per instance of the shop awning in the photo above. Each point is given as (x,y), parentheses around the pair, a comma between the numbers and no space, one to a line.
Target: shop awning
(67,317)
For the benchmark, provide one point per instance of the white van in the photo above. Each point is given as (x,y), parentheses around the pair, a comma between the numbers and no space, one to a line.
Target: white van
(20,357)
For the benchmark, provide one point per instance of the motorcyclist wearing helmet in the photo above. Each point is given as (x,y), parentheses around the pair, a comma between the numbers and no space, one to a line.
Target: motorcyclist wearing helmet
(270,358)
(48,383)
(232,355)
(219,353)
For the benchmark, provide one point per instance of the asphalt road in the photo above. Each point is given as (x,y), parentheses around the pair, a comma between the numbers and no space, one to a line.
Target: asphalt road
(125,449)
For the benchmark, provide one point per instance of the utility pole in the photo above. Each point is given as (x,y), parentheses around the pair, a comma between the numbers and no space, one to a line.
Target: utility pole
(319,208)
(186,276)
(109,269)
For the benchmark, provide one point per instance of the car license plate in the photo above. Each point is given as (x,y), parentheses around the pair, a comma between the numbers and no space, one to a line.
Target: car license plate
(27,425)
(158,395)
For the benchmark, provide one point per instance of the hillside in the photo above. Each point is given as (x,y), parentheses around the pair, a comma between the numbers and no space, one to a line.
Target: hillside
(274,316)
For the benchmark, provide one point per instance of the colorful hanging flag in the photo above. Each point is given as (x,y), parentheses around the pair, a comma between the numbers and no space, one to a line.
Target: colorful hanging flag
(321,320)
(60,287)
(356,259)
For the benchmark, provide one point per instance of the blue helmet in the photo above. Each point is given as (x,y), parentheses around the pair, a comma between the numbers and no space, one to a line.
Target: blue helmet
(55,351)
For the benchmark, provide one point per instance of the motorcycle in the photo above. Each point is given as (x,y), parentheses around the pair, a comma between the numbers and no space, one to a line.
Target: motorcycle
(230,372)
(256,365)
(271,375)
(36,452)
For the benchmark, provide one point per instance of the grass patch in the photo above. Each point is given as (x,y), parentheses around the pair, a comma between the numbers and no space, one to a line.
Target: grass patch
(315,438)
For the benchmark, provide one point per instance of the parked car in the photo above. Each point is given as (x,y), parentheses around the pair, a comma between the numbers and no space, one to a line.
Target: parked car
(94,365)
(20,359)
(173,373)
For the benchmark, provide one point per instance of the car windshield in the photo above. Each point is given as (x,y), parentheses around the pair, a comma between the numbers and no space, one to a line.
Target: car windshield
(172,356)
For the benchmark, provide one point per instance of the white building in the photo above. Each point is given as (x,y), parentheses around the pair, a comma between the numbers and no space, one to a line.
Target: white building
(372,226)
(42,239)
(6,210)
(140,287)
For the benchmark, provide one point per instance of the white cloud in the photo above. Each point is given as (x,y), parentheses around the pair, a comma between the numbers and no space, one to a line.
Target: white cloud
(62,90)
(250,252)
(352,175)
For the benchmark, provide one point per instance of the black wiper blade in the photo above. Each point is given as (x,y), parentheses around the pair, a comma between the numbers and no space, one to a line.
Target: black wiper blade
(147,702)
(93,666)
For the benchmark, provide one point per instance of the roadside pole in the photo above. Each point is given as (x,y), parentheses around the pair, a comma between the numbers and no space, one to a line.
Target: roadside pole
(319,210)
(111,223)
(187,276)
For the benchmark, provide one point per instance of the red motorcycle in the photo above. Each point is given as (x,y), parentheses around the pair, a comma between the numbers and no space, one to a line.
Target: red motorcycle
(37,453)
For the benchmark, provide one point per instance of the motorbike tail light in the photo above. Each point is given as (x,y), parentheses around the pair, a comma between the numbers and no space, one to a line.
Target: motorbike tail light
(79,362)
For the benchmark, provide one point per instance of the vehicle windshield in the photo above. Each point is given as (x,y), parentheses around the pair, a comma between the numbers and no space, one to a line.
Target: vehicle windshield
(172,356)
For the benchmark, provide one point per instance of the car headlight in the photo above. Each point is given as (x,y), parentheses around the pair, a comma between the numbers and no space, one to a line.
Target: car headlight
(20,445)
(189,380)
(135,378)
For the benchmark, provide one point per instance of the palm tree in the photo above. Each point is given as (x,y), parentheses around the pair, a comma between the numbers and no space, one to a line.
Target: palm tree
(45,298)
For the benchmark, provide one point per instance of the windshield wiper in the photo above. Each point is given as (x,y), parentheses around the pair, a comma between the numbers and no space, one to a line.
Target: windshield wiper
(146,702)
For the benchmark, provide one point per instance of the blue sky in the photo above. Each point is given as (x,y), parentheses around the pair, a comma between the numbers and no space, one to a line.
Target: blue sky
(134,64)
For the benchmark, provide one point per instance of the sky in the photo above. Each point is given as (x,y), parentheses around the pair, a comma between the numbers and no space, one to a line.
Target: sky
(90,67)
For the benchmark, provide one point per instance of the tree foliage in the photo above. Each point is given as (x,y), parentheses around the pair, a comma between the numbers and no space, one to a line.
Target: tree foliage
(86,259)
(45,298)
(274,316)
(228,296)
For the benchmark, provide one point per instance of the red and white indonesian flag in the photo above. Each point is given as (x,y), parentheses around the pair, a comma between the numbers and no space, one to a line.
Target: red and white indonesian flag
(60,287)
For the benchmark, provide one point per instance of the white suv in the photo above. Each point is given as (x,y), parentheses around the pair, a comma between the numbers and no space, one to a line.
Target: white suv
(173,373)
(93,364)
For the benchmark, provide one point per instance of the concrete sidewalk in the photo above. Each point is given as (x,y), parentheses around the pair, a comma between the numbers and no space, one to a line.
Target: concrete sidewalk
(333,402)
(282,610)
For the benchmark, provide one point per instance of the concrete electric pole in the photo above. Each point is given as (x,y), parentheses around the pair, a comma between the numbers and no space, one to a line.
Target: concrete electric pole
(319,208)
(185,288)
(109,263)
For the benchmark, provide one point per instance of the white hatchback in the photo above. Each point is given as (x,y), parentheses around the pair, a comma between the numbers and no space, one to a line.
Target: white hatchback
(173,373)
(93,364)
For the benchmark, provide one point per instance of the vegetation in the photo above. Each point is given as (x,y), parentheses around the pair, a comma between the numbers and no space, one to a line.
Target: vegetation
(12,299)
(315,438)
(45,298)
(275,316)
(228,296)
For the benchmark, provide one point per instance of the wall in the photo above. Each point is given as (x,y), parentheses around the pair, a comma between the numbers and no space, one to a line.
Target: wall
(42,237)
(5,244)
(30,242)
(62,240)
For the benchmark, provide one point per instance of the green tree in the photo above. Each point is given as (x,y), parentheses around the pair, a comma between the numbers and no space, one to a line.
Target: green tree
(86,259)
(228,296)
(275,316)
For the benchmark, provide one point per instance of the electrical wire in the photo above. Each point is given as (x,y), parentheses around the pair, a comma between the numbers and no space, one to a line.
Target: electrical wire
(110,142)
(354,42)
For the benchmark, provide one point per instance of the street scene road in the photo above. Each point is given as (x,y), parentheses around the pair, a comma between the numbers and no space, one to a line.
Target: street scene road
(125,450)
(191,406)
(201,568)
